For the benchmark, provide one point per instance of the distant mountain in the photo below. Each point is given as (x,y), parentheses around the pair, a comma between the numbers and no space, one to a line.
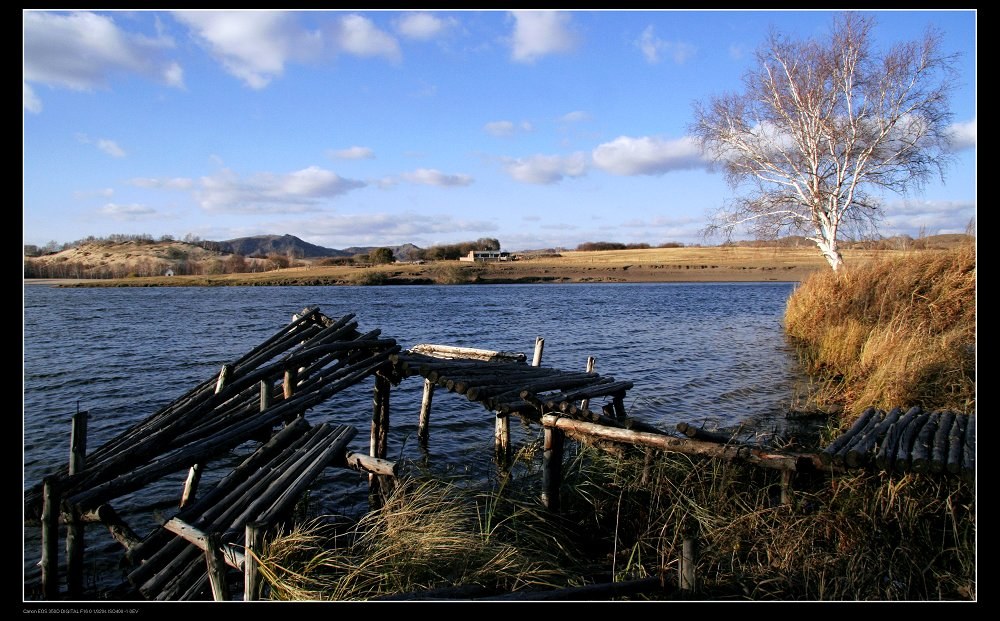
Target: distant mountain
(285,245)
(264,245)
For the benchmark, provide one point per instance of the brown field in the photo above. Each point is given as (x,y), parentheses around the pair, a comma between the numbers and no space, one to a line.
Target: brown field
(688,264)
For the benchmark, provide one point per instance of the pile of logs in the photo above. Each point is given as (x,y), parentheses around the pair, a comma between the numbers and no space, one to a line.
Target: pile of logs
(261,397)
(911,441)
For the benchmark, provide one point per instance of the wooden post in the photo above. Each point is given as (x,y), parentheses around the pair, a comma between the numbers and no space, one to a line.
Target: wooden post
(75,547)
(191,485)
(539,346)
(619,405)
(78,443)
(216,568)
(585,403)
(787,476)
(251,574)
(423,431)
(552,468)
(289,383)
(689,557)
(647,466)
(50,538)
(502,437)
(224,374)
(266,390)
(380,425)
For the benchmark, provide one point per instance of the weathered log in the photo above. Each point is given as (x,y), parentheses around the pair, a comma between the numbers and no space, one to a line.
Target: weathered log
(50,537)
(231,555)
(827,455)
(78,443)
(904,453)
(859,452)
(885,459)
(968,469)
(552,459)
(699,433)
(840,457)
(449,351)
(591,361)
(758,456)
(920,456)
(939,448)
(501,437)
(956,443)
(191,485)
(216,569)
(75,550)
(120,531)
(369,464)
(423,429)
(252,583)
(536,359)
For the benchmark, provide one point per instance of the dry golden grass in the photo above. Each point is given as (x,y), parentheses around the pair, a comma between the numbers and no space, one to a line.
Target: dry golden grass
(893,331)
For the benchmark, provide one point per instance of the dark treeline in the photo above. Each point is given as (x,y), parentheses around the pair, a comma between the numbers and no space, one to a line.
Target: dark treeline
(593,246)
(454,251)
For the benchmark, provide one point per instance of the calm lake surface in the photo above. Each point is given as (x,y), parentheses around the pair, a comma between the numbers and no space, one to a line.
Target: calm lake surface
(702,353)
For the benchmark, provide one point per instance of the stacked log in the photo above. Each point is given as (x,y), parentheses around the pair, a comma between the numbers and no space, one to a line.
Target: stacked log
(917,441)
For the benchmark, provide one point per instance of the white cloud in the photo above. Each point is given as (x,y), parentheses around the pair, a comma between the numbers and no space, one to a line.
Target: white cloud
(908,217)
(429,176)
(84,194)
(546,169)
(647,156)
(654,48)
(267,192)
(253,46)
(110,147)
(539,33)
(576,116)
(357,35)
(499,128)
(172,183)
(423,26)
(127,212)
(82,50)
(352,153)
(963,135)
(30,102)
(422,229)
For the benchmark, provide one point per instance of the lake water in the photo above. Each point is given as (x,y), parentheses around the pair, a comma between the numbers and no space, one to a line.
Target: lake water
(710,354)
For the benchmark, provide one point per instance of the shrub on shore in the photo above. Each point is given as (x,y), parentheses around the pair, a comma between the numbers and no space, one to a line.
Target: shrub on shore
(892,332)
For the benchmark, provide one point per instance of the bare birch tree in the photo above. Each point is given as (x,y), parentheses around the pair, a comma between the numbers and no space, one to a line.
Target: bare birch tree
(822,128)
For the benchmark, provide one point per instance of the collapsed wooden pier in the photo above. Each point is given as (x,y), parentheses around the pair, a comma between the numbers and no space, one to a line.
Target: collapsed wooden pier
(262,398)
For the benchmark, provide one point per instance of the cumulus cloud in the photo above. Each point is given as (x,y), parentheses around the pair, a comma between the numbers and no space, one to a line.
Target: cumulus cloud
(168,183)
(540,33)
(654,48)
(253,46)
(268,192)
(108,146)
(429,176)
(82,50)
(546,169)
(909,217)
(352,153)
(963,135)
(30,102)
(647,155)
(576,116)
(423,26)
(127,212)
(359,36)
(507,128)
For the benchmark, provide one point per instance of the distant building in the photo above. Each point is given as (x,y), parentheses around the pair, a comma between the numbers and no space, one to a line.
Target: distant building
(169,272)
(486,255)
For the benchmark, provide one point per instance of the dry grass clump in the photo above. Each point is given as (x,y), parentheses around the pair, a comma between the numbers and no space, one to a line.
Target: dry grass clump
(847,538)
(427,535)
(895,331)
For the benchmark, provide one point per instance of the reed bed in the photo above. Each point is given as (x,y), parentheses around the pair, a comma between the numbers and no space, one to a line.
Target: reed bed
(890,332)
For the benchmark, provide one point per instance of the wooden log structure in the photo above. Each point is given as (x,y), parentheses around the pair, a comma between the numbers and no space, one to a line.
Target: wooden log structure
(920,455)
(885,459)
(831,450)
(939,448)
(956,444)
(859,452)
(699,433)
(904,452)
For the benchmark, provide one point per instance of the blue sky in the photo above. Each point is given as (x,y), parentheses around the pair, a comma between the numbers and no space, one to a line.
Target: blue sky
(371,128)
